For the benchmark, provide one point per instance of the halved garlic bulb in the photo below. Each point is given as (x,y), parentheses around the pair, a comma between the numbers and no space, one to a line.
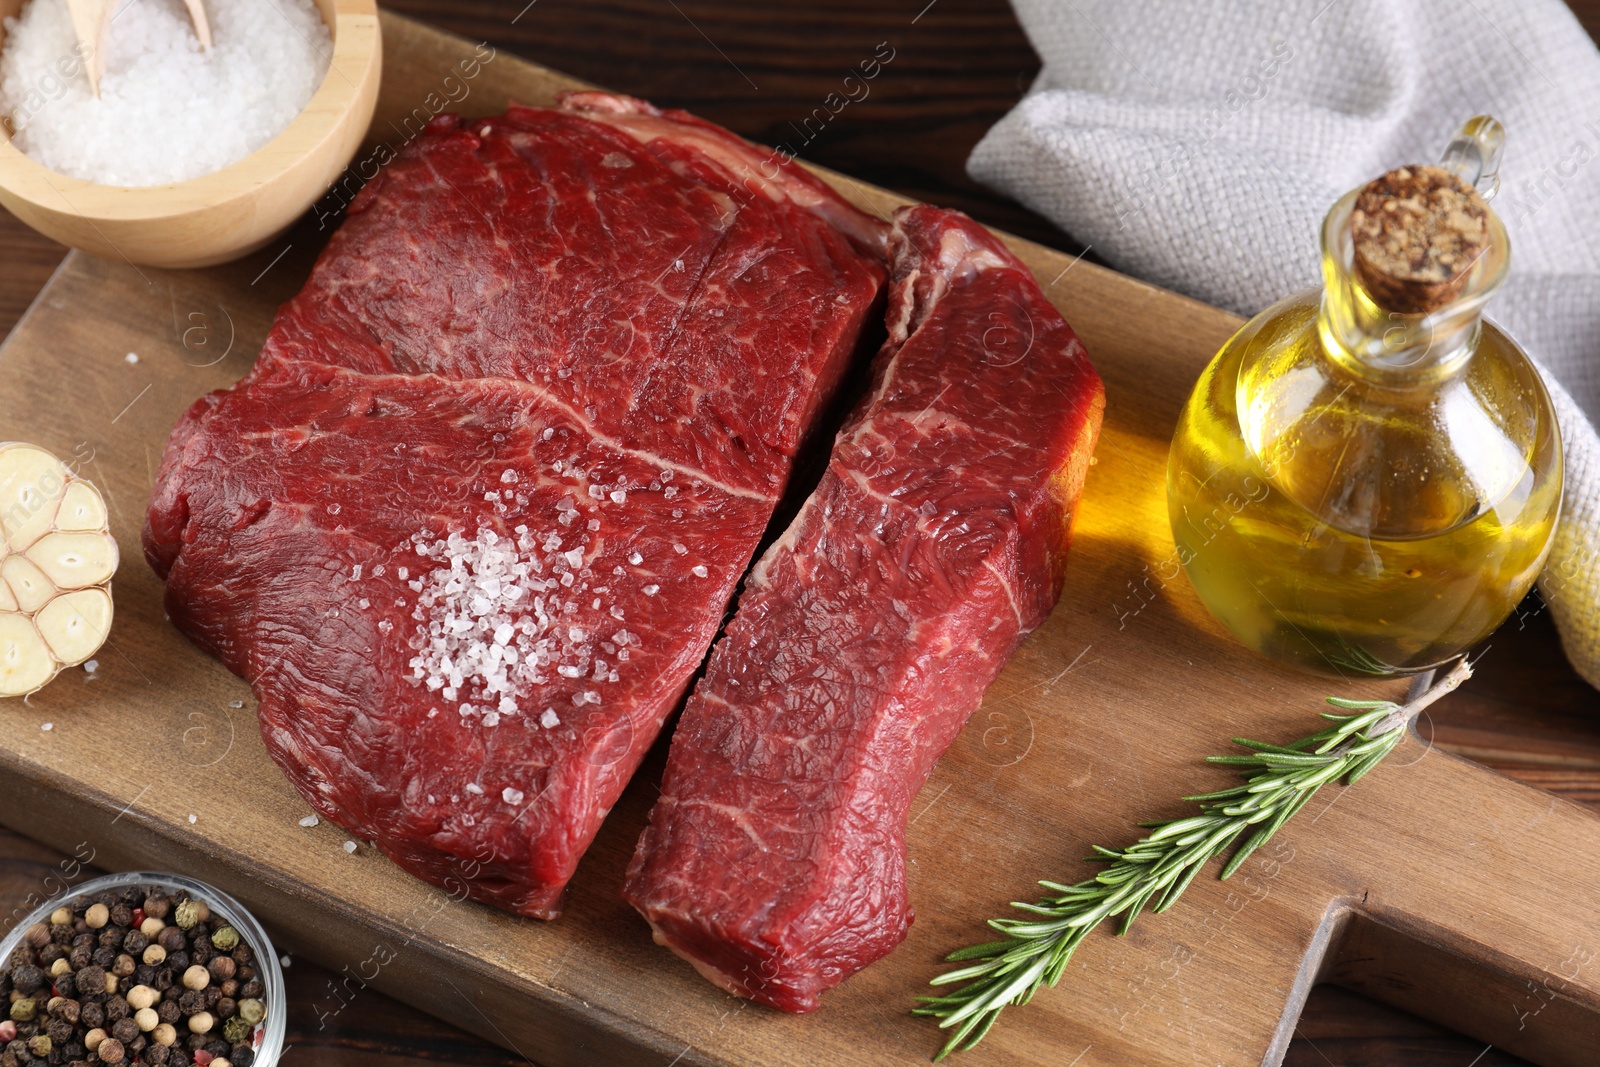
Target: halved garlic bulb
(57,557)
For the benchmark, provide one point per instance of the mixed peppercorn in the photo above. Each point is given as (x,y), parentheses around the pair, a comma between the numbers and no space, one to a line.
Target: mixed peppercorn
(131,976)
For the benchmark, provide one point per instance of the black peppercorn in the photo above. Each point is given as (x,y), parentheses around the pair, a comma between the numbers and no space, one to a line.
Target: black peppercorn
(92,1016)
(162,980)
(52,952)
(230,988)
(179,961)
(135,943)
(252,989)
(211,994)
(125,1030)
(193,1002)
(144,974)
(103,956)
(91,980)
(168,1011)
(156,1055)
(67,1009)
(27,978)
(157,906)
(117,1009)
(121,915)
(221,968)
(226,1007)
(124,966)
(60,1031)
(66,985)
(242,1056)
(197,1042)
(171,938)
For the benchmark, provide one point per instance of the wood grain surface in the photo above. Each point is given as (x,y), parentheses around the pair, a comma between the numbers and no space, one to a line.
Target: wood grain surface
(1526,713)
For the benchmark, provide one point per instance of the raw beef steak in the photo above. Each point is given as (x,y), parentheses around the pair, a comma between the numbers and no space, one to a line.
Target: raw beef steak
(775,858)
(471,523)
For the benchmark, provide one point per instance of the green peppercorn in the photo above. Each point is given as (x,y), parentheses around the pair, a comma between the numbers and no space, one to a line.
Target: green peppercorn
(24,1010)
(39,1045)
(190,913)
(236,1031)
(252,1011)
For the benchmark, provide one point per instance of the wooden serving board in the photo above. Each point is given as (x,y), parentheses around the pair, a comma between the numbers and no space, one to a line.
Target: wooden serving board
(1435,884)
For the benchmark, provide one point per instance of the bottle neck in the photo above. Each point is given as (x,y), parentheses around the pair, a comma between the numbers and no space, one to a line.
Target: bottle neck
(1390,349)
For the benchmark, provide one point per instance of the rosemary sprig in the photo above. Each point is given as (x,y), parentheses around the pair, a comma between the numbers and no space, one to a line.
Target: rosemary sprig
(1279,781)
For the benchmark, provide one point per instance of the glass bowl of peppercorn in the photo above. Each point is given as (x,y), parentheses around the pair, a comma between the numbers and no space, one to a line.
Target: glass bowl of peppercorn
(140,968)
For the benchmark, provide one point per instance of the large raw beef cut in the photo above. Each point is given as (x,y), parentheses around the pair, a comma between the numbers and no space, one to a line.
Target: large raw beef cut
(775,857)
(471,523)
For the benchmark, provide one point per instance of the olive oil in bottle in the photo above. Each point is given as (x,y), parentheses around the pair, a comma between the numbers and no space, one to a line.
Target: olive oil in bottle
(1367,476)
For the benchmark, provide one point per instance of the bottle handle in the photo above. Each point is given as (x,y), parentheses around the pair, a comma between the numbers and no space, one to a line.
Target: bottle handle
(1473,154)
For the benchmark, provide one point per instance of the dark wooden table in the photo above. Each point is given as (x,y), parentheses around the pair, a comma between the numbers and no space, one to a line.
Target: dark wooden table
(958,66)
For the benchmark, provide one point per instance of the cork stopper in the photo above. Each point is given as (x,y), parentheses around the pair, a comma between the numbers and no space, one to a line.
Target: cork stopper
(1417,230)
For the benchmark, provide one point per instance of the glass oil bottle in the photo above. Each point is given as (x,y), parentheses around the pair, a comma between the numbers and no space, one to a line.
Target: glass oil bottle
(1367,476)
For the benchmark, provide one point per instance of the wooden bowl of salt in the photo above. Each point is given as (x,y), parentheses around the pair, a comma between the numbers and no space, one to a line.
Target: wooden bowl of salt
(206,219)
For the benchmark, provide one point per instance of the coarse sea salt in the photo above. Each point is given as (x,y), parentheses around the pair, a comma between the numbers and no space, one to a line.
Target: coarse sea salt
(168,110)
(493,621)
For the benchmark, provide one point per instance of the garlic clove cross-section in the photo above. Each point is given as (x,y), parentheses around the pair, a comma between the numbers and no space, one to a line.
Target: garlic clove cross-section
(57,557)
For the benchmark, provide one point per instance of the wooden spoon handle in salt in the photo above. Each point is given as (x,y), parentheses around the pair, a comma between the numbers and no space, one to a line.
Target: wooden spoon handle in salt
(202,27)
(91,22)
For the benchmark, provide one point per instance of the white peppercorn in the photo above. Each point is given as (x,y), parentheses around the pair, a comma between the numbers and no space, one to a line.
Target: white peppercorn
(196,977)
(97,916)
(164,1034)
(201,1023)
(146,1019)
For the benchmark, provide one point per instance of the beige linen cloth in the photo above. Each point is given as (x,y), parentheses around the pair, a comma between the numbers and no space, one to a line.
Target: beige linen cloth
(1198,145)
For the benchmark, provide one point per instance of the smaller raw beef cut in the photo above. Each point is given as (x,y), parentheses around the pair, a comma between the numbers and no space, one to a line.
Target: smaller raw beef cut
(775,858)
(471,523)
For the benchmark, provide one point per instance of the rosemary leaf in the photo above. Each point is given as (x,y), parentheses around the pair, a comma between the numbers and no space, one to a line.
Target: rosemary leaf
(1279,780)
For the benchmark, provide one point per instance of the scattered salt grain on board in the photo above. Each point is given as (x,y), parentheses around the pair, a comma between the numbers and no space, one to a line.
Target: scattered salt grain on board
(168,111)
(47,727)
(350,847)
(131,357)
(193,819)
(309,821)
(91,665)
